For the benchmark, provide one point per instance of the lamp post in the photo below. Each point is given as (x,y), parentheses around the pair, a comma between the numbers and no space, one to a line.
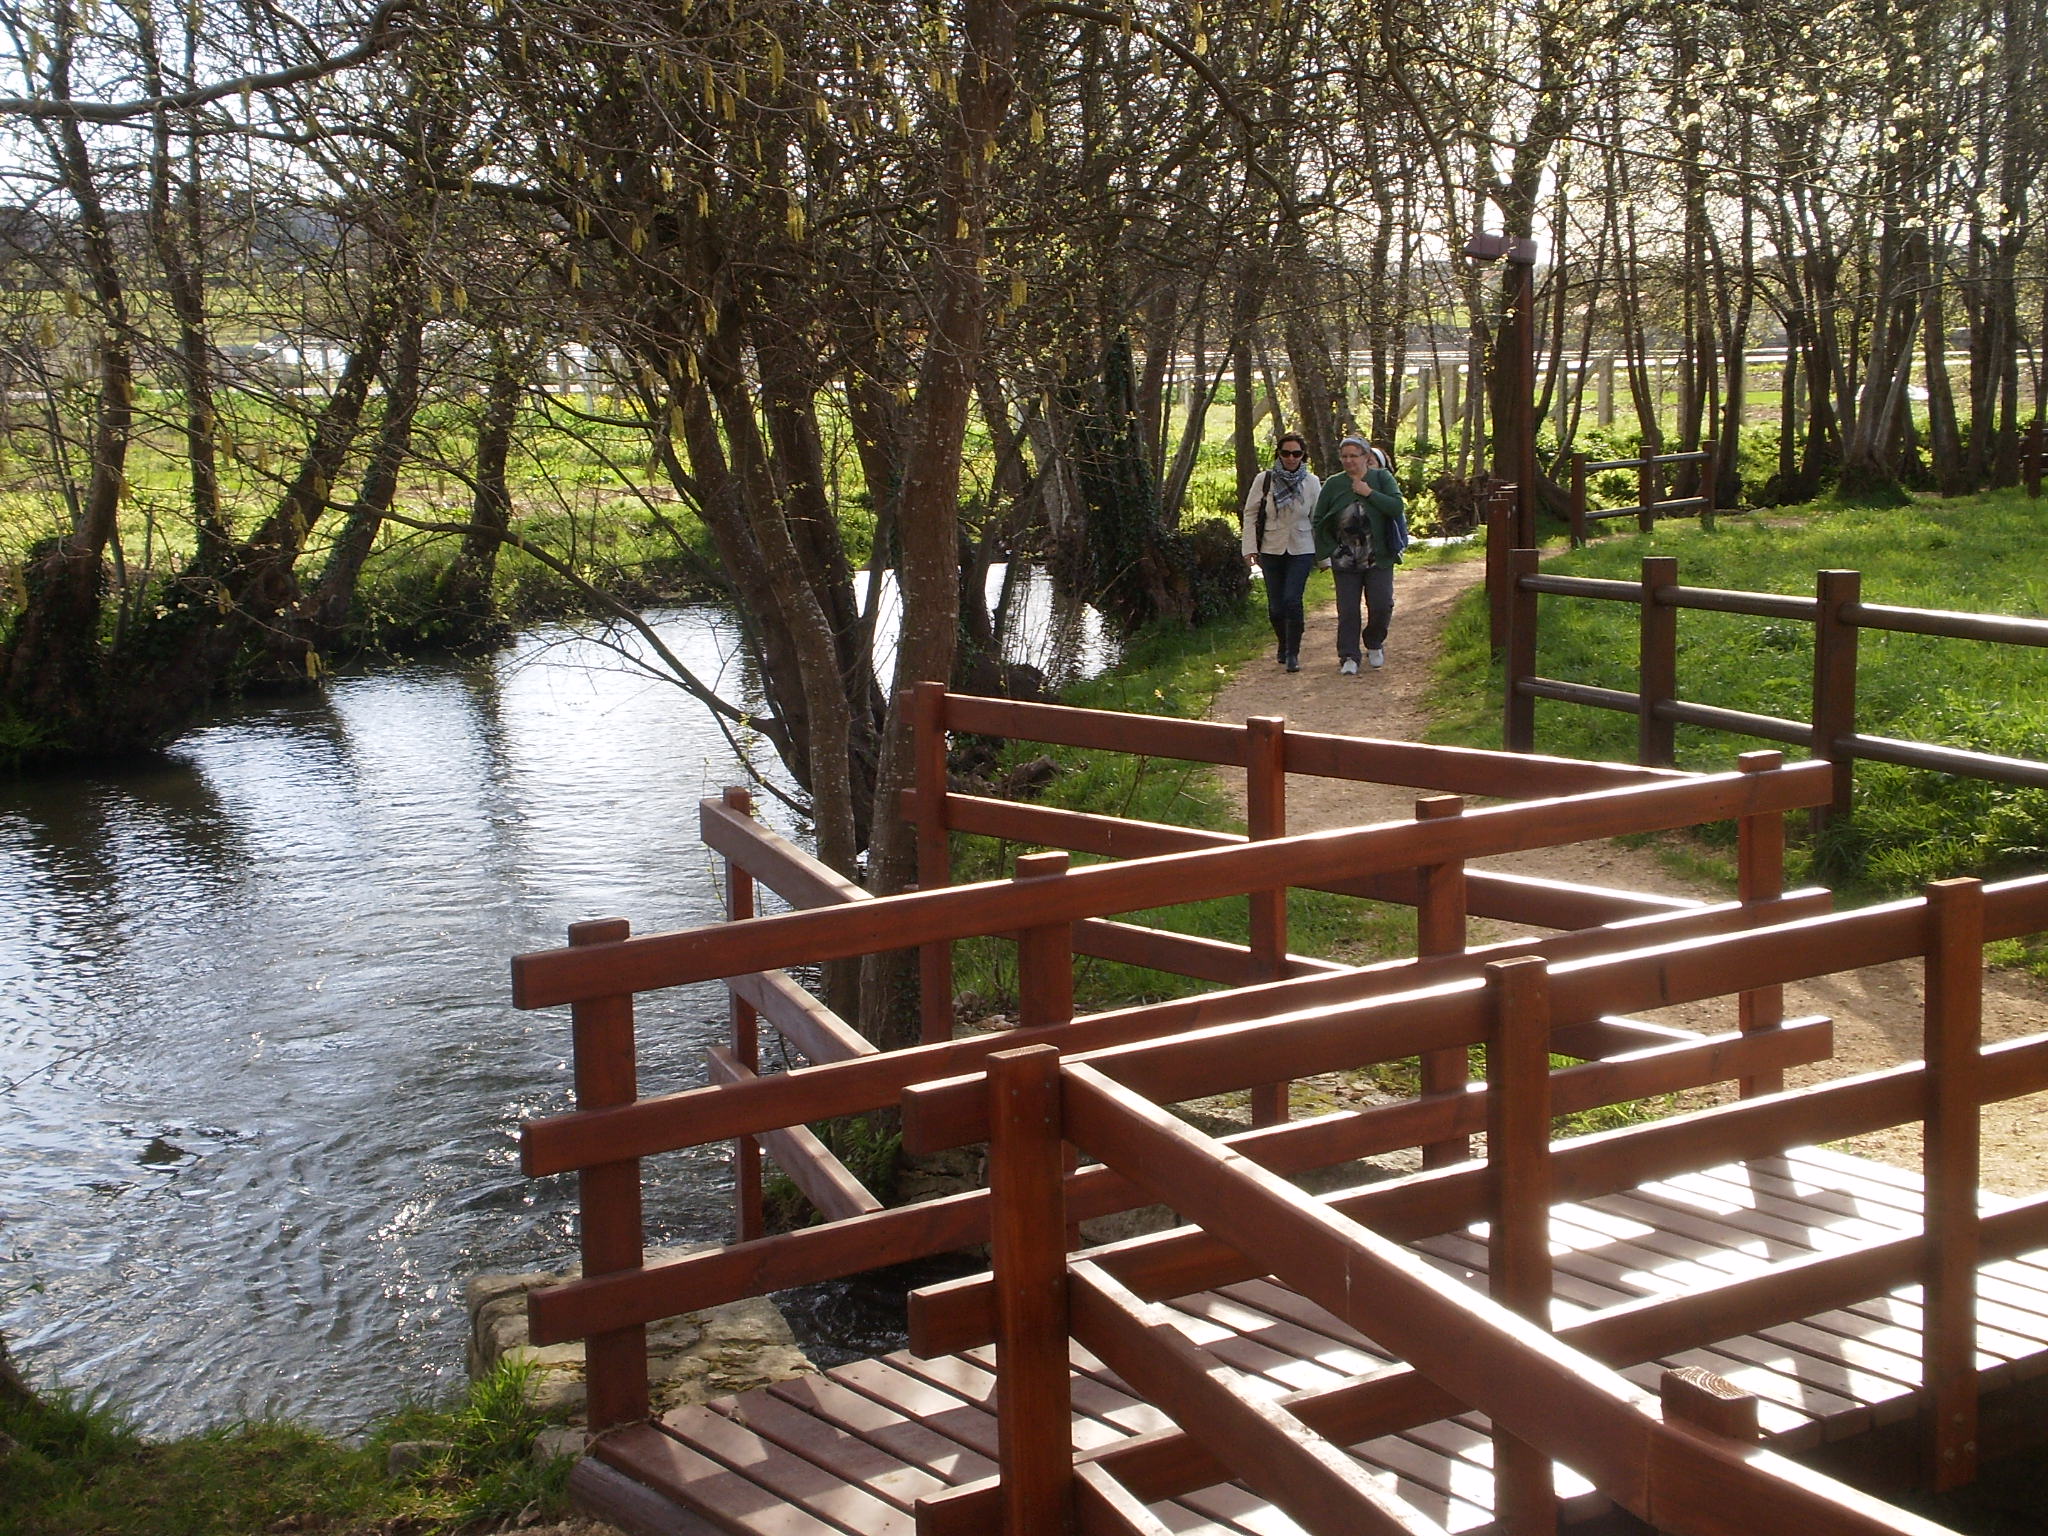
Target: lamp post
(1518,432)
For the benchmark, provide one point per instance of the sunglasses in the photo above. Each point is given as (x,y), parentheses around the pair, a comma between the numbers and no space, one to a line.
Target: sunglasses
(1290,453)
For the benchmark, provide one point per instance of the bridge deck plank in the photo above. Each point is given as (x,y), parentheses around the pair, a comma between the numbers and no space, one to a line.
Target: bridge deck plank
(854,1448)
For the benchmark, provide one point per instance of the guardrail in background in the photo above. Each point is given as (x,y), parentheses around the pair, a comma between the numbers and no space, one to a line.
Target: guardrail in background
(1837,613)
(1651,503)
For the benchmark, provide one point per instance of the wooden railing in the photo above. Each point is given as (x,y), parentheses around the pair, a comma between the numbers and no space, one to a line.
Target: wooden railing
(1836,612)
(1508,527)
(1549,1397)
(1443,894)
(1651,503)
(1055,911)
(1095,1081)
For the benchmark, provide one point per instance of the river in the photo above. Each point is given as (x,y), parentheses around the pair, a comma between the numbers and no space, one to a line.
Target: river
(260,1079)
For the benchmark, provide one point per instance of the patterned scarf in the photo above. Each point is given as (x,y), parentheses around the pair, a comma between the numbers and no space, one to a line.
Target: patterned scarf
(1285,484)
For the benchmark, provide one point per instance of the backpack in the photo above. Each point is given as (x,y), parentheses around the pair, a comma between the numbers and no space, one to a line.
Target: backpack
(1397,534)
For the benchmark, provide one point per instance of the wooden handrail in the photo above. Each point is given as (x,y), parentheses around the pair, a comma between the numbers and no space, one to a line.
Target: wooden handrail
(954,1315)
(821,1177)
(552,977)
(1494,893)
(1546,1398)
(1198,741)
(794,875)
(1557,1399)
(694,1116)
(941,1113)
(697,1281)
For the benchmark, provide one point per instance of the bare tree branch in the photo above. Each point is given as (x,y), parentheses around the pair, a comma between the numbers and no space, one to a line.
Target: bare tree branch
(386,28)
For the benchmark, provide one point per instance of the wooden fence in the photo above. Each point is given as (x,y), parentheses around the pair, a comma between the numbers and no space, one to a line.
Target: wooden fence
(1651,502)
(1556,1398)
(1509,528)
(1838,615)
(1094,1082)
(1055,913)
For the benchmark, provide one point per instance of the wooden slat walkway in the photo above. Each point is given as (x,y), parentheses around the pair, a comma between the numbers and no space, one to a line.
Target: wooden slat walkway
(850,1452)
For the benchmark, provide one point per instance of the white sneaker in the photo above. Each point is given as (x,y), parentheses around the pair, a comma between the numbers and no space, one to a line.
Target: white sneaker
(1374,659)
(1350,667)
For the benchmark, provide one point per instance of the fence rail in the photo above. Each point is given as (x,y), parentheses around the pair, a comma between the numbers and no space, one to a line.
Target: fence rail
(1096,1081)
(1836,612)
(1055,913)
(1548,1397)
(1651,502)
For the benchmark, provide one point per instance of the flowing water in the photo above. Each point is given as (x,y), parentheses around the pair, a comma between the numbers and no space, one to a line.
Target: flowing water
(260,1079)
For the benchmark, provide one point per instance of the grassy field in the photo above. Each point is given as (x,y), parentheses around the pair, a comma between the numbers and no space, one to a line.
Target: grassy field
(1984,554)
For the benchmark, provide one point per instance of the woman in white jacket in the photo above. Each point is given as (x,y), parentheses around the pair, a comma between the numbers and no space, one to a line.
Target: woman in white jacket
(1279,534)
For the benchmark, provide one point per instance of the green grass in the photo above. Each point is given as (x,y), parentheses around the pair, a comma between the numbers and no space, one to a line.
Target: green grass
(1175,672)
(1984,554)
(77,1468)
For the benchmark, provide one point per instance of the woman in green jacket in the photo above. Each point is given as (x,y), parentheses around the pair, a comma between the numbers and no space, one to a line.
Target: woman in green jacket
(1359,535)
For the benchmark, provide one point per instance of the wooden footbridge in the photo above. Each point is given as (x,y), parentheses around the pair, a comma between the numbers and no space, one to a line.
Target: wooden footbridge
(1705,1324)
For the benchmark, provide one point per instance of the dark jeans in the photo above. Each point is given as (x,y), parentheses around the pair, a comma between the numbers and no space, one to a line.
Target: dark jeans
(1376,582)
(1286,576)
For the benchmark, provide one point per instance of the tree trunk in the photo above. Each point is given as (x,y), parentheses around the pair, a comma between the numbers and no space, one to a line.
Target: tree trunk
(931,488)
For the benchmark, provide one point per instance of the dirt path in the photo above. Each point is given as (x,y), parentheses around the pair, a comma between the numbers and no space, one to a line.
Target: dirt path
(1876,1011)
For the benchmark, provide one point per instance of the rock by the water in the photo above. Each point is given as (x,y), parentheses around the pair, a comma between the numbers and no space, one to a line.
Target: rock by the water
(690,1358)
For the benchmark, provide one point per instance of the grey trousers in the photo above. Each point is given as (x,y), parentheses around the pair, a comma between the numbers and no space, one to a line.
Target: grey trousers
(1376,584)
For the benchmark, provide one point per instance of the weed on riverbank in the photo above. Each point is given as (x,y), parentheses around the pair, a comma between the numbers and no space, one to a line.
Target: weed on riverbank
(74,1467)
